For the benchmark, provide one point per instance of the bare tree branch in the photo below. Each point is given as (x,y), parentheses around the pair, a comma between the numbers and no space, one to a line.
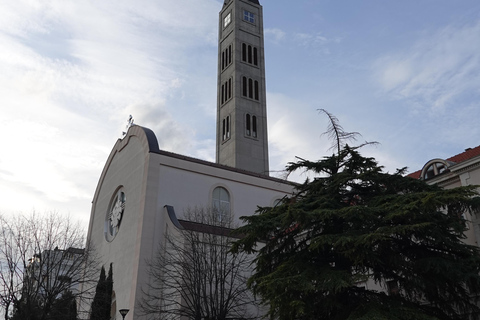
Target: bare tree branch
(194,274)
(42,257)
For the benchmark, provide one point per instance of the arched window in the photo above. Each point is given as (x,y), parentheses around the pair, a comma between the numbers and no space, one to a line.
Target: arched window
(250,88)
(255,56)
(249,54)
(226,128)
(248,125)
(221,202)
(434,168)
(254,126)
(244,52)
(244,84)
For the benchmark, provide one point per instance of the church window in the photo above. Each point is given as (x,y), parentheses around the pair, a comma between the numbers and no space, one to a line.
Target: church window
(249,54)
(227,20)
(248,16)
(221,202)
(250,88)
(226,128)
(251,125)
(226,57)
(244,84)
(226,91)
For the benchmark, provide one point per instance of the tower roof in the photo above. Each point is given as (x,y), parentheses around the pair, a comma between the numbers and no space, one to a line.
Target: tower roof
(254,1)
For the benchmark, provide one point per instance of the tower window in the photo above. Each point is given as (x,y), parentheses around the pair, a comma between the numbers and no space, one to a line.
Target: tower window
(250,88)
(249,54)
(227,20)
(226,128)
(226,57)
(226,91)
(248,16)
(248,125)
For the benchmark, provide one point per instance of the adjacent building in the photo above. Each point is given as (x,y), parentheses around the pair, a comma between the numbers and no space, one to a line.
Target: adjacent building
(460,170)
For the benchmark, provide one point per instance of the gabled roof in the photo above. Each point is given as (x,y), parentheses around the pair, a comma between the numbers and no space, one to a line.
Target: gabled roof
(459,158)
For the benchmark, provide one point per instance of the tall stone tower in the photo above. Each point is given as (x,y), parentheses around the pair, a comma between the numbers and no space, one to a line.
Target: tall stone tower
(241,103)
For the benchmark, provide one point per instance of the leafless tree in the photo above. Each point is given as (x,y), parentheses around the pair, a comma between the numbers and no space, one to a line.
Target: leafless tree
(194,274)
(42,257)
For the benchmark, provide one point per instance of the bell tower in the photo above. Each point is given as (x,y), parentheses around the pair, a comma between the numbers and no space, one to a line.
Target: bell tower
(241,103)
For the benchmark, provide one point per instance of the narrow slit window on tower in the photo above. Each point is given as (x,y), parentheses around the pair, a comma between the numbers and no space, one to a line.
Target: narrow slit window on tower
(249,54)
(229,88)
(244,84)
(223,60)
(224,129)
(256,90)
(228,127)
(244,52)
(223,94)
(248,125)
(250,88)
(255,56)
(225,86)
(248,16)
(229,54)
(254,126)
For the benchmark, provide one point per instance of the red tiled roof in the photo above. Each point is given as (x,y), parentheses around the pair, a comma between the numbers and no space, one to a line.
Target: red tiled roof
(461,157)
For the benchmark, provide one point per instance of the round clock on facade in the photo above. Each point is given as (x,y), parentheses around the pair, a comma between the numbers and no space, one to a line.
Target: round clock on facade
(114,215)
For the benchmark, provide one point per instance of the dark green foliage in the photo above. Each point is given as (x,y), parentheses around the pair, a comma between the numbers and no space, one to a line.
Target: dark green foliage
(64,308)
(354,224)
(26,310)
(102,300)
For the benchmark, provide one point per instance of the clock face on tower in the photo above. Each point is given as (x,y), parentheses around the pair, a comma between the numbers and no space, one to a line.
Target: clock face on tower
(114,215)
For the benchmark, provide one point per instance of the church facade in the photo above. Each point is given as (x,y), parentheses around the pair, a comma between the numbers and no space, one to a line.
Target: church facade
(143,189)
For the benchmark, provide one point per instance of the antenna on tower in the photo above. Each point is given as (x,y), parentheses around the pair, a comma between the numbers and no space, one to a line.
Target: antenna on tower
(130,122)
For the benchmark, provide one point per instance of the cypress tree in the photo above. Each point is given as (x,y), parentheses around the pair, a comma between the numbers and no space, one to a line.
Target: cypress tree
(99,310)
(109,291)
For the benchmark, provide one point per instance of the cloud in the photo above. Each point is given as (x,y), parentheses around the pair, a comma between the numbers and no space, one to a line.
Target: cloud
(437,71)
(275,34)
(72,72)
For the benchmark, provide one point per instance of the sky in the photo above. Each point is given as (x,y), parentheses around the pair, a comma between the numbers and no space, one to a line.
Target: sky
(403,73)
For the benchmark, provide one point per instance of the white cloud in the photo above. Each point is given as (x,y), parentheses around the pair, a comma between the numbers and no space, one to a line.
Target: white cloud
(275,34)
(436,71)
(72,72)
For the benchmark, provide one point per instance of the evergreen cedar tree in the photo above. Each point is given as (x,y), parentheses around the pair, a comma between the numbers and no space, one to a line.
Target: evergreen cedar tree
(352,224)
(102,300)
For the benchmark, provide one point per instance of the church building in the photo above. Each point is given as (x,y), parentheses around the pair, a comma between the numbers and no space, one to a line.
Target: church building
(142,188)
